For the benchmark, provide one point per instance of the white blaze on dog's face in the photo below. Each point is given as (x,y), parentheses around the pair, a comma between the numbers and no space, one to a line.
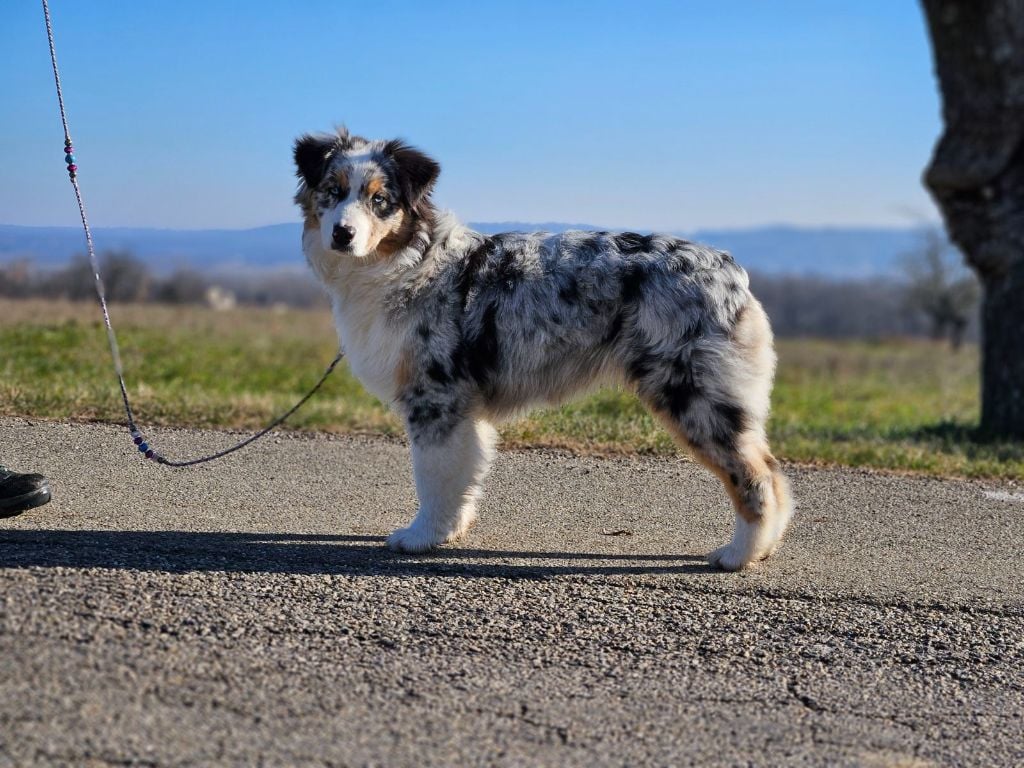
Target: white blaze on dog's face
(359,205)
(361,196)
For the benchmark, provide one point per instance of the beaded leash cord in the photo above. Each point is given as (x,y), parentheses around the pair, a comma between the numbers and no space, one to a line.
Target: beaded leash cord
(140,441)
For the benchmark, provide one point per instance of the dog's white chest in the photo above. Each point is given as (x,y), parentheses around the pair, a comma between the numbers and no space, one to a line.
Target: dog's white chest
(372,346)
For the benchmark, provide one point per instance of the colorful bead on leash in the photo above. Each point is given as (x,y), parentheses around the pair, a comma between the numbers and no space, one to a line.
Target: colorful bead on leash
(69,158)
(143,446)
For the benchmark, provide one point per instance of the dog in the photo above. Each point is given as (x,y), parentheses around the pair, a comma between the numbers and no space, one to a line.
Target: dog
(457,330)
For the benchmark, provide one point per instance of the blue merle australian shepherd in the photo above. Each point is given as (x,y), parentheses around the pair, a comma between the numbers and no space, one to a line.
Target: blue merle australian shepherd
(457,330)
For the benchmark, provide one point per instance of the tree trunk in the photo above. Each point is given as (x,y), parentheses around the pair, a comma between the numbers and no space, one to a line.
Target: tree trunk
(977,178)
(1002,366)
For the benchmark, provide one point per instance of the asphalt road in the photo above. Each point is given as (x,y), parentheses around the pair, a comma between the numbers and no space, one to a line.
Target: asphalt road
(247,613)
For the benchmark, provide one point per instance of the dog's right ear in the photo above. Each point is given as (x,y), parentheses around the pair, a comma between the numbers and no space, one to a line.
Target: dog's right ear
(312,154)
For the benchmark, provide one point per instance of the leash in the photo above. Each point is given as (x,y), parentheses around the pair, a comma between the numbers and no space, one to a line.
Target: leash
(136,434)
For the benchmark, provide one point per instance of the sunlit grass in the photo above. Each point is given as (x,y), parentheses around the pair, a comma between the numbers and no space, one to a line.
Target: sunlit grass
(905,405)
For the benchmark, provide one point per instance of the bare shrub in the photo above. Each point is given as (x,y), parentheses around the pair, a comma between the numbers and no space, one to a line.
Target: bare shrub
(184,286)
(941,287)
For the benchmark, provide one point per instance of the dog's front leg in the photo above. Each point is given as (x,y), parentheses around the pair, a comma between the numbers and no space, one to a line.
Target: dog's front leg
(449,467)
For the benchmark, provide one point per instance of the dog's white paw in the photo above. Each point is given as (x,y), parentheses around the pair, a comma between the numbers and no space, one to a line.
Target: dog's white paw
(426,532)
(730,558)
(414,538)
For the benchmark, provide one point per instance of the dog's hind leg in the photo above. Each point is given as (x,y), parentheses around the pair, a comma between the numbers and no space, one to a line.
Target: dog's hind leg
(716,405)
(449,473)
(760,495)
(751,476)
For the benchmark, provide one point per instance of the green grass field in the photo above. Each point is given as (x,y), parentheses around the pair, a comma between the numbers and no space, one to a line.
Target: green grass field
(902,405)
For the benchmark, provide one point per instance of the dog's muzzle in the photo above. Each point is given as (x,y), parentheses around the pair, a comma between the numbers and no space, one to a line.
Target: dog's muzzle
(341,237)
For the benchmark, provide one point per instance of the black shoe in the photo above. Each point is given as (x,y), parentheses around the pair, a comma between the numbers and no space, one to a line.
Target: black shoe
(20,492)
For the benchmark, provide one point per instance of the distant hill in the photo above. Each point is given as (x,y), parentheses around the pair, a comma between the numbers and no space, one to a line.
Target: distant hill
(833,252)
(836,252)
(276,245)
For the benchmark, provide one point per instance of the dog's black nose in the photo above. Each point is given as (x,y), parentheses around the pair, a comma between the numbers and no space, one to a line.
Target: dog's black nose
(342,236)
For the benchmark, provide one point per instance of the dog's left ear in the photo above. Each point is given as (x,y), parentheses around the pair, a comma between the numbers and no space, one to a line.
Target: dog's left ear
(311,155)
(417,173)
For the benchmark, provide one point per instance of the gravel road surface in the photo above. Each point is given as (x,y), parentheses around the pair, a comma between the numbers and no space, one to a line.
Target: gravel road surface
(247,613)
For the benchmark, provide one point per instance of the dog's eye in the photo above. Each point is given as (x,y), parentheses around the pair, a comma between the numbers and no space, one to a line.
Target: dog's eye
(379,199)
(335,190)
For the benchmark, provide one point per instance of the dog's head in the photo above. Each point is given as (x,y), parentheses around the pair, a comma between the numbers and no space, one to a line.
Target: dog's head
(363,196)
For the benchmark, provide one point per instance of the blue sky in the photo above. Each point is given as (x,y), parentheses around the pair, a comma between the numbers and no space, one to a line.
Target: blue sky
(647,115)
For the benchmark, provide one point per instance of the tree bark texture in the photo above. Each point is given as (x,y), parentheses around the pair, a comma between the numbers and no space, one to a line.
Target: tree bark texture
(977,178)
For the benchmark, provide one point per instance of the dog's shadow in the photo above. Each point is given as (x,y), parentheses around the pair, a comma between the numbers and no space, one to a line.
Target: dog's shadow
(289,553)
